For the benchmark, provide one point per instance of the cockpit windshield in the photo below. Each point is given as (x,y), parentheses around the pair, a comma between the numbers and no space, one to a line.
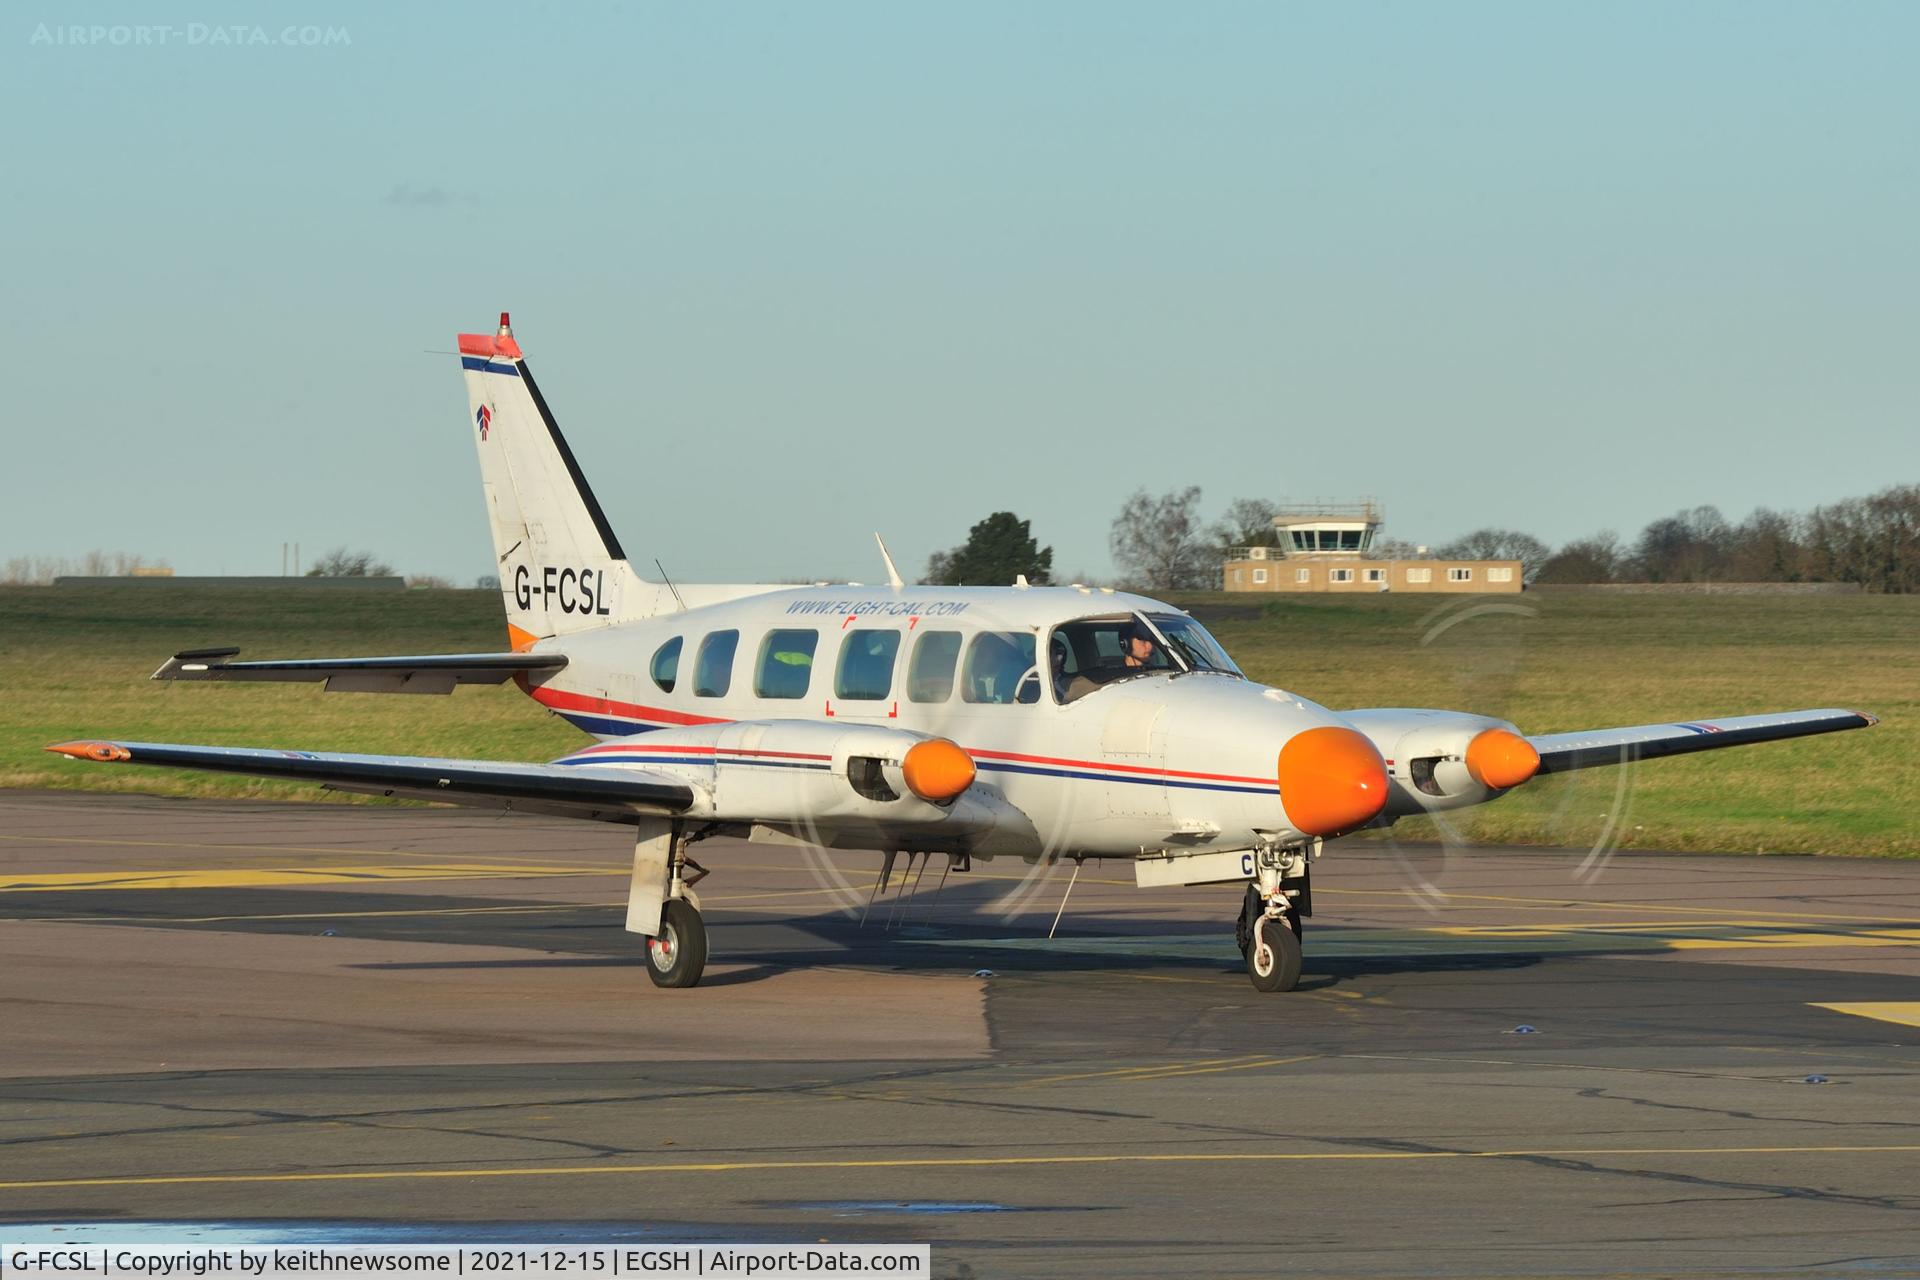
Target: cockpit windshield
(1200,650)
(1090,652)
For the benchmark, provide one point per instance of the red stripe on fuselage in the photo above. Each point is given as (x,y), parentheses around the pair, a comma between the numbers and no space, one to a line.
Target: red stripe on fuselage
(561,700)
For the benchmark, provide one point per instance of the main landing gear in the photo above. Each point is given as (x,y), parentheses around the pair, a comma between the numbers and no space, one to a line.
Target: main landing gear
(1270,928)
(662,907)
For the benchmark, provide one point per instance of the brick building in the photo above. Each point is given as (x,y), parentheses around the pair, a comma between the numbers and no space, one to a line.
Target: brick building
(1328,547)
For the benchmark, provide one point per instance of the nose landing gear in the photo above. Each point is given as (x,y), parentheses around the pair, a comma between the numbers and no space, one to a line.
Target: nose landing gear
(1269,929)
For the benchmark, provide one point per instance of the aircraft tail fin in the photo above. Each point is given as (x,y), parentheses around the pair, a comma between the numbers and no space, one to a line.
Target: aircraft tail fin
(561,566)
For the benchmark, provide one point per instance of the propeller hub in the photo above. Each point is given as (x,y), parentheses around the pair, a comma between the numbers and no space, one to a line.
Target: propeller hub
(1498,759)
(1332,780)
(936,770)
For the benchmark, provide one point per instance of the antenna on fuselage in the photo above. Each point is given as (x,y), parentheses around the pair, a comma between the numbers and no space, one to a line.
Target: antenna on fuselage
(669,581)
(893,574)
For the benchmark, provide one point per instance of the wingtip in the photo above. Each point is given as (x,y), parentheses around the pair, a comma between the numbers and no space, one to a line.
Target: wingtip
(1869,717)
(106,752)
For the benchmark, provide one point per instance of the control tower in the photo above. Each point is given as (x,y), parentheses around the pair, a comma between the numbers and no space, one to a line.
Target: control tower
(1322,528)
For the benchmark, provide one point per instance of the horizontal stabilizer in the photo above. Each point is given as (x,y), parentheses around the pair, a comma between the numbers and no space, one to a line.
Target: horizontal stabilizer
(613,795)
(429,673)
(1563,752)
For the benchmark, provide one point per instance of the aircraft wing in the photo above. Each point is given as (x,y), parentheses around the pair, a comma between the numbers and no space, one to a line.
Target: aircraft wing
(607,794)
(1563,752)
(429,673)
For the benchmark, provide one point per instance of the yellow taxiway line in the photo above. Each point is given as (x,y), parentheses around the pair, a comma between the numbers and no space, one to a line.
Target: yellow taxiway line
(1904,1012)
(947,1162)
(266,877)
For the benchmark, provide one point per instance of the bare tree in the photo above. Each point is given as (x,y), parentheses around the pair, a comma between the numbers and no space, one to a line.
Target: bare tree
(1247,522)
(1688,546)
(1595,559)
(1159,543)
(1500,544)
(1874,541)
(342,563)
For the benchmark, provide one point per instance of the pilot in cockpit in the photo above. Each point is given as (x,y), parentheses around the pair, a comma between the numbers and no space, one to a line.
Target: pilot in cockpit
(1137,647)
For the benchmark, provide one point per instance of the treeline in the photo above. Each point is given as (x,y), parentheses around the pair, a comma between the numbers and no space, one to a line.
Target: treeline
(1873,541)
(1161,542)
(38,571)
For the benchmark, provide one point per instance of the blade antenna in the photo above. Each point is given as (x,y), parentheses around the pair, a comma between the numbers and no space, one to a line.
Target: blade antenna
(669,581)
(893,573)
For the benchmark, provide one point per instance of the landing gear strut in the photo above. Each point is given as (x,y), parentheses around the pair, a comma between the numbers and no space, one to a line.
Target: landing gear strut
(1270,928)
(662,907)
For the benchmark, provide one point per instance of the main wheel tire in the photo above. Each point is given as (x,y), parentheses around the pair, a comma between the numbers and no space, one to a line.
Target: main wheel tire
(677,955)
(1273,962)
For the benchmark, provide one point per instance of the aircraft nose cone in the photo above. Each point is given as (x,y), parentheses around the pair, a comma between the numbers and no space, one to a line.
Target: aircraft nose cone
(1331,780)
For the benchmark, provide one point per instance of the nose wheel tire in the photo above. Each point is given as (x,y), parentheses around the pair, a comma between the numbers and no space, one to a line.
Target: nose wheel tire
(1273,959)
(677,955)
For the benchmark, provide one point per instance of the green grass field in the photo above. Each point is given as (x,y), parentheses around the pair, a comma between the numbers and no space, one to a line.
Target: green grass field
(74,663)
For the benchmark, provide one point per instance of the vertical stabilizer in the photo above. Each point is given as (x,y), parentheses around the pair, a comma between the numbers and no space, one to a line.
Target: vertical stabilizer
(561,566)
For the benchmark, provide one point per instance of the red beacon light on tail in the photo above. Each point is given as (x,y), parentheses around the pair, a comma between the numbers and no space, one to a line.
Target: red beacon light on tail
(501,343)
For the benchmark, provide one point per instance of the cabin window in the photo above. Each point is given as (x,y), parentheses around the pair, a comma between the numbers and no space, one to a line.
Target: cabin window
(786,664)
(866,665)
(935,655)
(1000,668)
(713,669)
(666,665)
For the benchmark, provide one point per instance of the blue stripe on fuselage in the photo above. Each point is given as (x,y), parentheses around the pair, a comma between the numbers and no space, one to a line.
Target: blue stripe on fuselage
(1147,781)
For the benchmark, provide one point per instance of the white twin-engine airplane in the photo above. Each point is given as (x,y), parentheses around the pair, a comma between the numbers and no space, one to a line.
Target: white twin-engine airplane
(1041,723)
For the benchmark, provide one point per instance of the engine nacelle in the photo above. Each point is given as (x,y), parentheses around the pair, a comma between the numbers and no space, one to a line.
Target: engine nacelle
(804,771)
(1445,759)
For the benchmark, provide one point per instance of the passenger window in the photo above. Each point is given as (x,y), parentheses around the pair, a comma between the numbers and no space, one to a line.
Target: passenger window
(935,655)
(713,672)
(786,664)
(866,665)
(666,665)
(1000,668)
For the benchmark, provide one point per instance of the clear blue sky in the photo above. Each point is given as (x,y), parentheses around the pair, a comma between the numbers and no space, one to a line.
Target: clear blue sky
(791,273)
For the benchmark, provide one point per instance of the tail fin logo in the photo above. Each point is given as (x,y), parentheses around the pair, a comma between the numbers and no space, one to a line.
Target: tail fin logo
(483,417)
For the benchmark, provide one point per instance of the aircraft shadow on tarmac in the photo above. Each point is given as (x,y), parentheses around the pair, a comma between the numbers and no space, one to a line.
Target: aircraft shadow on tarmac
(966,936)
